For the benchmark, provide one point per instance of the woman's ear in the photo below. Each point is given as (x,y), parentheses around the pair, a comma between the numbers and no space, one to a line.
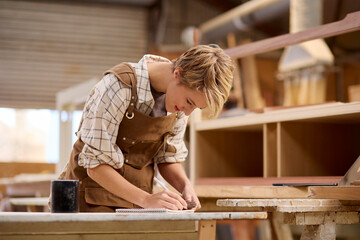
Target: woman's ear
(177,72)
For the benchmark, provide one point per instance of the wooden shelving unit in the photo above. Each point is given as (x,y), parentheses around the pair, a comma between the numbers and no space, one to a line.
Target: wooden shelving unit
(319,140)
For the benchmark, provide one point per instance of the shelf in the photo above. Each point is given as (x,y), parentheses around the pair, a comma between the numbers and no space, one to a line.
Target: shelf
(260,181)
(331,112)
(318,140)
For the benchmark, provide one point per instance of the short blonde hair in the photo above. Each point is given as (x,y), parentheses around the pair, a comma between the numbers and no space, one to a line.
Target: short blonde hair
(206,68)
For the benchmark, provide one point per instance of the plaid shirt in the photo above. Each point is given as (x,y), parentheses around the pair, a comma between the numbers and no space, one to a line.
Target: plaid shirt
(104,110)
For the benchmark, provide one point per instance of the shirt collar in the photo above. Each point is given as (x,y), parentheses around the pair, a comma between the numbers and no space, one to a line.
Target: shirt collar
(143,85)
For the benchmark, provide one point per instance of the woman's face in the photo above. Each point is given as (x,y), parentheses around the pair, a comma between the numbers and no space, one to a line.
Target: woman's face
(182,98)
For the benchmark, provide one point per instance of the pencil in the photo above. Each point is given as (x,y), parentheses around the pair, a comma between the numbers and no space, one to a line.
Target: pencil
(160,183)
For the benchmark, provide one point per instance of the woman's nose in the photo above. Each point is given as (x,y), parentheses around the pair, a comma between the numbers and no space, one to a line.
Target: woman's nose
(188,110)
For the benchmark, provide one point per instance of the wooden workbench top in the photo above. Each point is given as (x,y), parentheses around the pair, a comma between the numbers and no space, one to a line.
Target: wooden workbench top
(258,187)
(291,205)
(96,217)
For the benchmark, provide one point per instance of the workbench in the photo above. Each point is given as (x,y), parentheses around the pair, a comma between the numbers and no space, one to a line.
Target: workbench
(316,209)
(318,216)
(69,226)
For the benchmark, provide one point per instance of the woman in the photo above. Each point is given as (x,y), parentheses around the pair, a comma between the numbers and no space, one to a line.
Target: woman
(134,119)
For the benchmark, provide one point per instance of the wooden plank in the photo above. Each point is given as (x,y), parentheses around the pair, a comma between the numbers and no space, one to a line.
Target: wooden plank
(293,205)
(253,98)
(264,181)
(209,205)
(298,205)
(131,217)
(350,23)
(237,84)
(83,227)
(103,236)
(219,191)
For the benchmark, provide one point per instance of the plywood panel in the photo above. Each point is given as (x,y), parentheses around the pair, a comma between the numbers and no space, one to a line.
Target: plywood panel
(229,154)
(318,149)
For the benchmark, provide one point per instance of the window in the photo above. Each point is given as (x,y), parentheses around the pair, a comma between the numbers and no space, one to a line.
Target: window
(29,135)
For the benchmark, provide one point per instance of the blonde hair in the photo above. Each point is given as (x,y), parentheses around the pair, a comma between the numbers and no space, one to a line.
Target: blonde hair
(206,68)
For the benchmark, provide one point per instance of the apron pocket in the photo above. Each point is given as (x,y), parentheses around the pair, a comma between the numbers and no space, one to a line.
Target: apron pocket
(142,154)
(102,197)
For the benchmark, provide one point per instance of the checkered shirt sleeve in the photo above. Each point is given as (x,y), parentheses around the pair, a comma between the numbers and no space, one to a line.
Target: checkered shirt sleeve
(103,112)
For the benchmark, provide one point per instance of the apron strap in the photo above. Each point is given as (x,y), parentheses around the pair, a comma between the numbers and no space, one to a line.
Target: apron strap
(126,74)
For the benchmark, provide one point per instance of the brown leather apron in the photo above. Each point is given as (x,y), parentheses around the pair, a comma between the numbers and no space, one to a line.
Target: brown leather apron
(140,137)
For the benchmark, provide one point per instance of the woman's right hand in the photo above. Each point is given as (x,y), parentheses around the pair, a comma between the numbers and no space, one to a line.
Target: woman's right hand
(165,199)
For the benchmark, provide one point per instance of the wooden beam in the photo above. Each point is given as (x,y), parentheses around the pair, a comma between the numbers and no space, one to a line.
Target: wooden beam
(350,23)
(237,90)
(292,205)
(341,193)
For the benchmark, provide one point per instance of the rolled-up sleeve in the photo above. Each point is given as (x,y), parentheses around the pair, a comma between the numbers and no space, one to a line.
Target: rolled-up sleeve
(177,141)
(102,115)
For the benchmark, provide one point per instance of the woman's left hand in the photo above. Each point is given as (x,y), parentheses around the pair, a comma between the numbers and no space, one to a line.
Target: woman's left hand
(190,196)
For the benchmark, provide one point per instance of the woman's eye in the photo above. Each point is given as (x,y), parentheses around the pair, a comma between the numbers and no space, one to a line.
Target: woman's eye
(187,100)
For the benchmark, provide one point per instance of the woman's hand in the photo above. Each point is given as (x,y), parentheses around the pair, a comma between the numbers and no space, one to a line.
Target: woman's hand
(190,196)
(165,199)
(174,174)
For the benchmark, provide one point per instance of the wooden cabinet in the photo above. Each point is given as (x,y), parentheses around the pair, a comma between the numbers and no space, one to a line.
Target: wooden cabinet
(318,140)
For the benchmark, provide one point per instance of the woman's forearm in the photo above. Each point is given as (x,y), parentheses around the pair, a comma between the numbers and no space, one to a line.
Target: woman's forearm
(174,174)
(112,181)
